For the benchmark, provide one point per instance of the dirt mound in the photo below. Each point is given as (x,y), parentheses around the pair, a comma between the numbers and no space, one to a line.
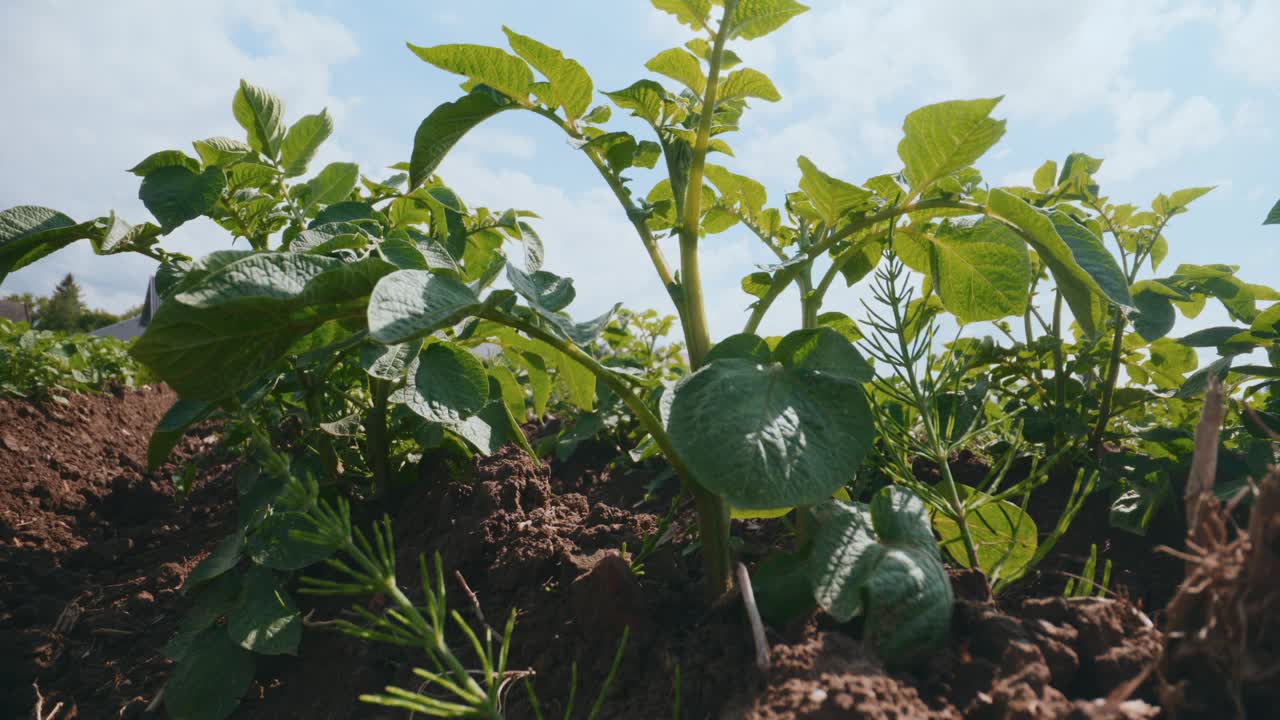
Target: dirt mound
(93,549)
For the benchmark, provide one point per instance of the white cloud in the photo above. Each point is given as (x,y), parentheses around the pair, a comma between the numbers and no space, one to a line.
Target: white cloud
(1247,43)
(1152,131)
(96,87)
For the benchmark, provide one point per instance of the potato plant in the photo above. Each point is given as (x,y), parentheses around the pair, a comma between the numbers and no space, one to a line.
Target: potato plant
(366,312)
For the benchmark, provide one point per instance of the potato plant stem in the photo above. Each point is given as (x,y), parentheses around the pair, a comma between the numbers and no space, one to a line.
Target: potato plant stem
(377,439)
(697,337)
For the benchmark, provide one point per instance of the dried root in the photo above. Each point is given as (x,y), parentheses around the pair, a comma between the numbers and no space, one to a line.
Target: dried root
(1222,648)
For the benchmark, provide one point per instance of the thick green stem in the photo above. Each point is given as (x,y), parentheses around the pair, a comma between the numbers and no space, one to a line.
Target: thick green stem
(1059,374)
(377,439)
(697,335)
(1113,375)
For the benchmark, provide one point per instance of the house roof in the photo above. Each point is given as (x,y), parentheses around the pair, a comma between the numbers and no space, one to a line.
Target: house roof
(13,310)
(131,328)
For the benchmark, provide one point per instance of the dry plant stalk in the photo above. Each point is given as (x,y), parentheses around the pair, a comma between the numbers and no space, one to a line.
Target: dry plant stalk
(1222,643)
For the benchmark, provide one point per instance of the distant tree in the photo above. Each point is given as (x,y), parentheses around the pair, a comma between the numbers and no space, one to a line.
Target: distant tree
(64,308)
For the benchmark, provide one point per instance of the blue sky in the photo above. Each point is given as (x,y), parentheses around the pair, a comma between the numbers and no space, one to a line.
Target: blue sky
(1171,94)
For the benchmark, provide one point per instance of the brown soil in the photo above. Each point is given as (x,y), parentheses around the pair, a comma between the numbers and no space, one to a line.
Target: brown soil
(93,549)
(543,539)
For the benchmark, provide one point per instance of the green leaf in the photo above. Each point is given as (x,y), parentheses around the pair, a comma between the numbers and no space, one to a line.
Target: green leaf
(266,620)
(946,137)
(679,65)
(1198,381)
(842,324)
(883,563)
(175,195)
(120,236)
(1089,252)
(570,84)
(782,588)
(213,600)
(28,233)
(981,272)
(165,158)
(744,346)
(261,114)
(1273,217)
(449,385)
(224,556)
(1178,201)
(826,351)
(273,545)
(413,303)
(446,125)
(302,141)
(1082,293)
(1212,337)
(688,12)
(1155,316)
(832,198)
(644,98)
(1044,177)
(220,151)
(512,391)
(1004,536)
(220,331)
(212,677)
(490,66)
(747,83)
(768,436)
(388,362)
(179,417)
(545,291)
(757,18)
(332,185)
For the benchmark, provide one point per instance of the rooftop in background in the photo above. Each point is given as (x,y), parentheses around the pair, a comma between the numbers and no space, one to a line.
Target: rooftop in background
(131,328)
(15,311)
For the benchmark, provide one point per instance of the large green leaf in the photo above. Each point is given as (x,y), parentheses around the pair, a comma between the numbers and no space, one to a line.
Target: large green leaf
(832,198)
(1087,300)
(484,65)
(883,563)
(388,362)
(644,98)
(164,158)
(220,151)
(175,195)
(261,114)
(302,141)
(682,66)
(412,303)
(946,137)
(1155,316)
(331,185)
(769,436)
(747,83)
(29,232)
(544,290)
(1273,217)
(570,84)
(179,417)
(222,330)
(824,350)
(1004,536)
(981,272)
(211,678)
(688,12)
(757,18)
(446,125)
(266,621)
(449,385)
